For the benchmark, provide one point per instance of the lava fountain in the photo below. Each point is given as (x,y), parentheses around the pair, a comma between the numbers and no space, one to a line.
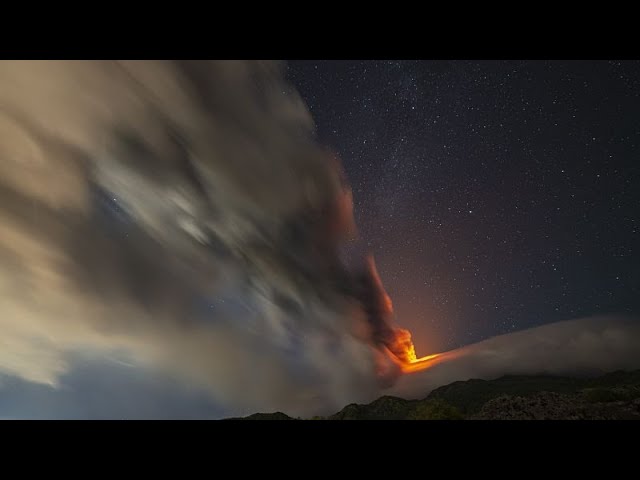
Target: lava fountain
(394,342)
(403,353)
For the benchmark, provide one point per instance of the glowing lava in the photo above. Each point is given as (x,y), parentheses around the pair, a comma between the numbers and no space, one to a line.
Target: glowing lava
(422,363)
(396,341)
(403,352)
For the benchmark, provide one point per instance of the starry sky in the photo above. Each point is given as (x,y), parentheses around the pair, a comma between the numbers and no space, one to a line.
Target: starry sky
(167,230)
(495,195)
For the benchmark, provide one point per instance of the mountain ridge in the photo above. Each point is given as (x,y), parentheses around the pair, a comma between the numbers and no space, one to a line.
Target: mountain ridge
(614,395)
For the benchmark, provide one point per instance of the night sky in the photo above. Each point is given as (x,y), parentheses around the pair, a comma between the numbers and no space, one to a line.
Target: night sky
(168,232)
(495,195)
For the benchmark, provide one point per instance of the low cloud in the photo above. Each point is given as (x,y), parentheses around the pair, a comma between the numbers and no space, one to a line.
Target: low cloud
(588,346)
(135,194)
(179,218)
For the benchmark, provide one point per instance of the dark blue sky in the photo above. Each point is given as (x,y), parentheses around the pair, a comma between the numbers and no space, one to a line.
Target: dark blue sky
(100,388)
(495,195)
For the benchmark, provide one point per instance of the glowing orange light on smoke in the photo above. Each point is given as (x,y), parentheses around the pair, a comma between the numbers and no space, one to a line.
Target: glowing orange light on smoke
(400,347)
(403,352)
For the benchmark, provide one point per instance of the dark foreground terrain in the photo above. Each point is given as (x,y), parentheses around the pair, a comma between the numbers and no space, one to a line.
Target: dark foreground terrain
(615,396)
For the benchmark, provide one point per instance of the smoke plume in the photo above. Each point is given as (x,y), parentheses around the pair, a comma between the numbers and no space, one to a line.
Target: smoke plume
(179,218)
(137,197)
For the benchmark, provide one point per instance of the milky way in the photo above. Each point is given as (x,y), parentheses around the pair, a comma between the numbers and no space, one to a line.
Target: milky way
(172,233)
(495,195)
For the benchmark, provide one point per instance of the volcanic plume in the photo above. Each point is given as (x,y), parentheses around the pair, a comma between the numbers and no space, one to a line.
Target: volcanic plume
(180,219)
(393,341)
(179,216)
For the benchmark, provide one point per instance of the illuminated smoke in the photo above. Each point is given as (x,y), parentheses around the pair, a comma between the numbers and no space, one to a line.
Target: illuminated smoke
(179,216)
(135,193)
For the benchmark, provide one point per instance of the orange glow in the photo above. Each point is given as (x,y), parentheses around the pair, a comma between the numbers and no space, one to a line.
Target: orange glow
(403,353)
(400,348)
(422,363)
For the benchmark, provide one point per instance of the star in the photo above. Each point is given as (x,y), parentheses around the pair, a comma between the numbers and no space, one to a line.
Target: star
(505,135)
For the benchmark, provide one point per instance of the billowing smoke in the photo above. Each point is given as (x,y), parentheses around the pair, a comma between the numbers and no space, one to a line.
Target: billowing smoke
(179,216)
(588,346)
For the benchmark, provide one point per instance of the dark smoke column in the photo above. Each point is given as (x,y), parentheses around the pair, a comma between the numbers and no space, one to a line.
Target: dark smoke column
(378,309)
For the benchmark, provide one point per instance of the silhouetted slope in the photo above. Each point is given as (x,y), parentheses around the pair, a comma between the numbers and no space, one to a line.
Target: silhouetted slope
(384,408)
(612,396)
(469,396)
(265,416)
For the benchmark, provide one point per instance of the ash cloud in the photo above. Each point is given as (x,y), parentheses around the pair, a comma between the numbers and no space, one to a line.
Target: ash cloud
(177,217)
(584,347)
(134,193)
